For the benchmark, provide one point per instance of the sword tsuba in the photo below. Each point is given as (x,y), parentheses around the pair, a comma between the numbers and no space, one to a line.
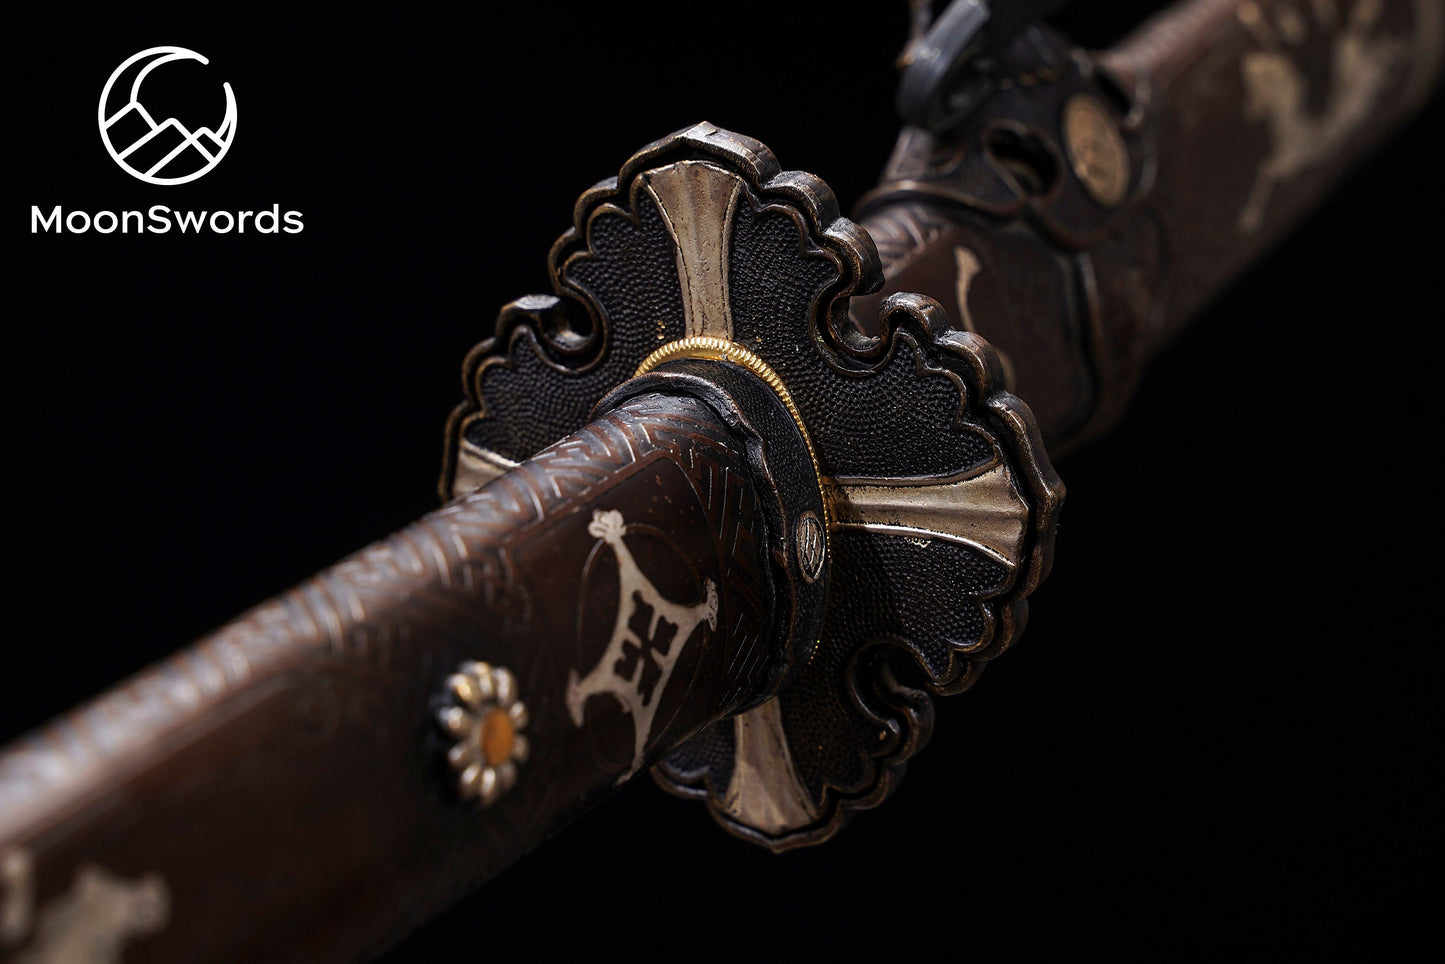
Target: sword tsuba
(926,517)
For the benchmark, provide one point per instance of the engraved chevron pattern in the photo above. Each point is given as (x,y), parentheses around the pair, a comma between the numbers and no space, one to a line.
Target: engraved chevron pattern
(330,682)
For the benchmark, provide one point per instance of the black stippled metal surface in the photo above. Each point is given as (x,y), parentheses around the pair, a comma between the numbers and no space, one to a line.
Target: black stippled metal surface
(910,612)
(793,263)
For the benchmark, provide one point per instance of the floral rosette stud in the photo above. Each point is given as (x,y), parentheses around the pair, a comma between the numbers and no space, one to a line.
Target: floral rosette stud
(485,718)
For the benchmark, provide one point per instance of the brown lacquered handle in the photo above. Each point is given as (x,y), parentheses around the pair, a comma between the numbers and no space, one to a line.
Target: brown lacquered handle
(1095,203)
(282,790)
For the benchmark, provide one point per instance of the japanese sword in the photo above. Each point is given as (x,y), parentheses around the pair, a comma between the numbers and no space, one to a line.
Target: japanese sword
(699,645)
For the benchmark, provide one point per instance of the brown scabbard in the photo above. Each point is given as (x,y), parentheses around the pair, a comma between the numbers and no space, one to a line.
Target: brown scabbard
(1090,208)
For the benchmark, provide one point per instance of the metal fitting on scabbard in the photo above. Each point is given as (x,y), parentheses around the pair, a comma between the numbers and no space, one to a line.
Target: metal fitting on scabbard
(811,524)
(485,718)
(719,349)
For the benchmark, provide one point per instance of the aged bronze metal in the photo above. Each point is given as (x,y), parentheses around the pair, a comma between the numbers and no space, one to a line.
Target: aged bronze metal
(929,475)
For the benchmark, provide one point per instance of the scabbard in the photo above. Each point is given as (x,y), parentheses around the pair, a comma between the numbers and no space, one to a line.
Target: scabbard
(284,786)
(1084,215)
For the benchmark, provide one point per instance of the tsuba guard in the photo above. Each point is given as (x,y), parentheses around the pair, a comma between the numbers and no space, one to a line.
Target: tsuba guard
(942,503)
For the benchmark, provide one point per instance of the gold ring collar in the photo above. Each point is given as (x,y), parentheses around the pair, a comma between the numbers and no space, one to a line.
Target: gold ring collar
(720,349)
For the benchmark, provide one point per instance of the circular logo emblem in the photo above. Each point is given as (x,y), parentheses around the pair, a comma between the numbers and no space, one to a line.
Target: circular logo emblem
(162,151)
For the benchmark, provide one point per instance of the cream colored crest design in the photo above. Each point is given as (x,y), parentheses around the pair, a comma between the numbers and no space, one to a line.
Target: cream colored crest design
(91,923)
(967,267)
(1276,90)
(647,638)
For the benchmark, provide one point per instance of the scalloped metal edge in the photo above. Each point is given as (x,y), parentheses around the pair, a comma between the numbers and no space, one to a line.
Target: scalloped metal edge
(965,357)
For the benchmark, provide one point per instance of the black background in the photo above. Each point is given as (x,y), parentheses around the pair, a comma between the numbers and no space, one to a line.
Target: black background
(1217,737)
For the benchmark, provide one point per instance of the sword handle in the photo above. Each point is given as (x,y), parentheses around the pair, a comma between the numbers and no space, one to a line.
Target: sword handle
(1080,217)
(291,769)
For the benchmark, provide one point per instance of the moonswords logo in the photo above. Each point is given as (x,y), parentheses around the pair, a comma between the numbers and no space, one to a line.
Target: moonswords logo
(163,153)
(159,152)
(647,638)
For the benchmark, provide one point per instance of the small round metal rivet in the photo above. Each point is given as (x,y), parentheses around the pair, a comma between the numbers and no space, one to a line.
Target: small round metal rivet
(812,546)
(485,718)
(1096,150)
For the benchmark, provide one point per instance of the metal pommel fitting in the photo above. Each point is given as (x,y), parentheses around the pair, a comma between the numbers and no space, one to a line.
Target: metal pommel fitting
(908,502)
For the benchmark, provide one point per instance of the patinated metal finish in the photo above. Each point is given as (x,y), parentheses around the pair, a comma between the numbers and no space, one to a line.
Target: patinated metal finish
(935,502)
(935,549)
